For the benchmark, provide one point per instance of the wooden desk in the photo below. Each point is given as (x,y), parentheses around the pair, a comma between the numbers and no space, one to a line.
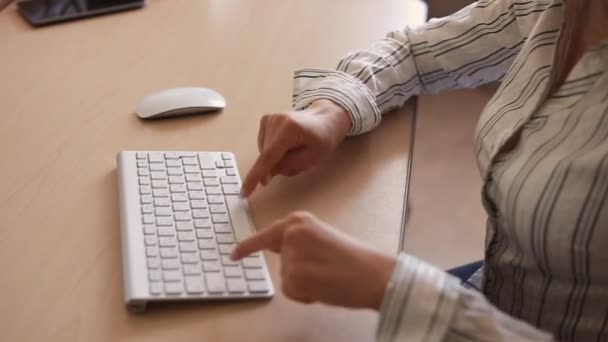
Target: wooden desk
(66,108)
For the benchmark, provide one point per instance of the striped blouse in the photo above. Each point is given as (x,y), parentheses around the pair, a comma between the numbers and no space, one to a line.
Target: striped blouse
(546,252)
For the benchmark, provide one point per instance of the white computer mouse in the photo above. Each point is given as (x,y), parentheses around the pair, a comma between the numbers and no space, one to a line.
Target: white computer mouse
(180,101)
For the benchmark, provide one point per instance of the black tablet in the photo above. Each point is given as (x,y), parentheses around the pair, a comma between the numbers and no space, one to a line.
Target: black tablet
(42,12)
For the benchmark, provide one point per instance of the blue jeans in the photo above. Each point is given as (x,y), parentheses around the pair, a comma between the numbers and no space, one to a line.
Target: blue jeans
(465,272)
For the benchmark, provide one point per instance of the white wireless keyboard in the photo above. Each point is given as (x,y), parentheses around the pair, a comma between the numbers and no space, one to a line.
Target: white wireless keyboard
(180,217)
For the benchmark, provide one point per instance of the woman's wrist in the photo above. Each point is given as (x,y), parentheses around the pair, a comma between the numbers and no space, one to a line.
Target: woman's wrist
(338,116)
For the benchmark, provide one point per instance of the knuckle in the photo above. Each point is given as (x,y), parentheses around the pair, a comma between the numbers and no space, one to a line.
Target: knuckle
(300,216)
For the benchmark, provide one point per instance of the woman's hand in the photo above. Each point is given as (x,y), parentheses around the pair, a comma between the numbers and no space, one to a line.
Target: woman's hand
(322,264)
(292,142)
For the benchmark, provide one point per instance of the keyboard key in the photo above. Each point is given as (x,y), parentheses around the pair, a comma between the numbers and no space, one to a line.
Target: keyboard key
(174,287)
(151,251)
(181,206)
(192,269)
(186,236)
(167,241)
(160,193)
(174,171)
(160,184)
(193,177)
(153,263)
(226,261)
(190,258)
(225,238)
(254,274)
(228,163)
(173,163)
(236,285)
(168,252)
(149,229)
(215,200)
(176,180)
(188,247)
(231,189)
(179,197)
(215,283)
(206,244)
(147,209)
(229,180)
(163,211)
(226,155)
(162,202)
(170,264)
(200,213)
(231,172)
(218,208)
(147,219)
(145,190)
(190,161)
(198,204)
(213,191)
(150,240)
(252,262)
(195,186)
(154,275)
(222,228)
(144,180)
(157,175)
(146,199)
(156,288)
(157,167)
(191,169)
(206,161)
(185,226)
(166,231)
(172,155)
(182,216)
(197,195)
(164,221)
(220,218)
(226,248)
(180,188)
(142,155)
(209,173)
(195,284)
(143,172)
(203,223)
(219,164)
(211,266)
(172,275)
(258,286)
(211,182)
(156,157)
(208,254)
(233,271)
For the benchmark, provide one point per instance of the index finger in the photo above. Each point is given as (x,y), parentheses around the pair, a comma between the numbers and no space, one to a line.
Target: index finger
(269,238)
(266,161)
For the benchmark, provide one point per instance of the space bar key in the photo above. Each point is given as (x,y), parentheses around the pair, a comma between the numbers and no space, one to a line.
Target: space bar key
(241,224)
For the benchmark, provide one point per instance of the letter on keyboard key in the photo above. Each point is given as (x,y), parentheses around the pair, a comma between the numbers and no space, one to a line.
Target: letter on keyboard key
(204,233)
(141,155)
(236,285)
(209,173)
(162,202)
(200,213)
(211,182)
(143,172)
(143,180)
(160,193)
(182,216)
(179,188)
(181,206)
(146,199)
(157,175)
(225,238)
(176,180)
(174,287)
(213,191)
(220,218)
(193,177)
(218,208)
(206,244)
(230,172)
(163,211)
(145,190)
(147,209)
(174,171)
(215,283)
(215,200)
(197,195)
(191,169)
(179,197)
(173,163)
(156,287)
(157,167)
(208,254)
(195,186)
(198,204)
(202,223)
(194,284)
(189,161)
(160,184)
(233,272)
(187,247)
(258,286)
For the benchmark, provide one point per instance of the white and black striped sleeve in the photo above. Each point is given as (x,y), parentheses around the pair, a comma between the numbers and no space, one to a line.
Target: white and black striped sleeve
(471,47)
(423,303)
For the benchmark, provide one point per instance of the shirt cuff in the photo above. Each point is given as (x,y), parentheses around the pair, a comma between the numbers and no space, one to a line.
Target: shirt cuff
(419,303)
(345,90)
